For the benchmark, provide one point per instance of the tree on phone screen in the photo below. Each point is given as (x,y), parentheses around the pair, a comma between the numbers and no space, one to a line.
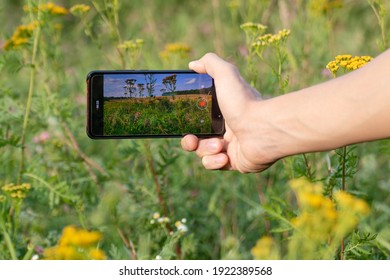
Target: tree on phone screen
(130,87)
(150,84)
(141,89)
(170,83)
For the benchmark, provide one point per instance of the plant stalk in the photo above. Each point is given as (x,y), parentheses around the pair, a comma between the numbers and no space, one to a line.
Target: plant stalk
(33,72)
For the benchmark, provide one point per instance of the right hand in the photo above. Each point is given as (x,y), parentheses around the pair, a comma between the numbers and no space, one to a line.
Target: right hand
(242,147)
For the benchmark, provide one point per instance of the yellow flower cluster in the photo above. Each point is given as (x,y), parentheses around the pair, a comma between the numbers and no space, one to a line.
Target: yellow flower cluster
(318,213)
(131,44)
(21,36)
(265,249)
(252,31)
(321,219)
(253,27)
(175,49)
(272,39)
(79,9)
(16,191)
(49,8)
(347,62)
(76,244)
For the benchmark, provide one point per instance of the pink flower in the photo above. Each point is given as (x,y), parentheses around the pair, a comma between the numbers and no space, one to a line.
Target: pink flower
(41,138)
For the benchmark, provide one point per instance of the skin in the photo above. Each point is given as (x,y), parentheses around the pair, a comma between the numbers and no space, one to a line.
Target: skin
(350,109)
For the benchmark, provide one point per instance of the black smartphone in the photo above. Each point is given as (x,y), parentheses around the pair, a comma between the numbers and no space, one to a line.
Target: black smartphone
(147,104)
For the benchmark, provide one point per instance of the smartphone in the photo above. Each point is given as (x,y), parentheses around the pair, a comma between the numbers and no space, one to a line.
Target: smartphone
(147,104)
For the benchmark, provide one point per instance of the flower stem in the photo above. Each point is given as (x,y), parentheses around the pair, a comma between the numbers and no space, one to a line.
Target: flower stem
(30,94)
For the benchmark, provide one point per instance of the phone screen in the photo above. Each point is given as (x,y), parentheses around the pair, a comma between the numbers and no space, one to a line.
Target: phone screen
(152,104)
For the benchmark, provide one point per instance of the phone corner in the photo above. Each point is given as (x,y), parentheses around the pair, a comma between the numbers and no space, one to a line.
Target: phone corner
(89,133)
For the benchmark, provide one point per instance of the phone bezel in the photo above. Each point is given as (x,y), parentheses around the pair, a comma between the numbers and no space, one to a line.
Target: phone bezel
(91,119)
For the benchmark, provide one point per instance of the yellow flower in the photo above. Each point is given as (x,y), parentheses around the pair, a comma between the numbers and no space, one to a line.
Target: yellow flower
(351,204)
(272,39)
(76,244)
(49,8)
(347,62)
(79,9)
(131,44)
(343,57)
(171,50)
(265,249)
(61,253)
(250,26)
(79,237)
(97,254)
(322,222)
(16,191)
(156,215)
(21,36)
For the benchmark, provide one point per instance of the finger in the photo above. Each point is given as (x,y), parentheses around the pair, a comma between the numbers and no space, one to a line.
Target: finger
(209,146)
(218,161)
(189,143)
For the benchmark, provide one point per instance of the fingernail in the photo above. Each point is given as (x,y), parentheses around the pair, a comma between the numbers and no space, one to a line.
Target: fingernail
(191,64)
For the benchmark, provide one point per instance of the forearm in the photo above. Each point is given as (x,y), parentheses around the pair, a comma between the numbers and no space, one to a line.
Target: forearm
(350,109)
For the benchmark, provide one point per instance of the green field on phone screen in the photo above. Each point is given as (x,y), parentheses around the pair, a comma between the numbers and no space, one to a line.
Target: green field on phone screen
(158,115)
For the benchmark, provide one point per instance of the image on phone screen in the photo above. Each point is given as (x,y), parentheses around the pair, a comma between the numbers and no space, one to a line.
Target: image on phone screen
(153,104)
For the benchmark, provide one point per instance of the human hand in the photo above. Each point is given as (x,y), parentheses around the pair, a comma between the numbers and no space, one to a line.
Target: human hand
(240,148)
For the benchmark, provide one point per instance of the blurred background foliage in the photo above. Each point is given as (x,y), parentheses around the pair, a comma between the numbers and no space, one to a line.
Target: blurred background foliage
(148,198)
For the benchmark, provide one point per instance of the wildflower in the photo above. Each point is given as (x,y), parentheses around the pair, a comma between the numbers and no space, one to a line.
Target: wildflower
(49,8)
(79,237)
(76,244)
(156,215)
(351,204)
(97,254)
(16,191)
(321,220)
(181,227)
(347,62)
(163,220)
(21,36)
(180,50)
(265,249)
(79,9)
(253,27)
(42,137)
(131,44)
(275,40)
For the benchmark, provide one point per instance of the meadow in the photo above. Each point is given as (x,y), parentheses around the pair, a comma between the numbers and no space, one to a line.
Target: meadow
(167,115)
(65,196)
